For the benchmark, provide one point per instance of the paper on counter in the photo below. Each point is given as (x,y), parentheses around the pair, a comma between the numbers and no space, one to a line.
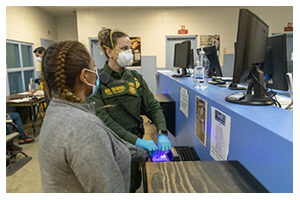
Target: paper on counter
(201,120)
(220,134)
(20,100)
(184,101)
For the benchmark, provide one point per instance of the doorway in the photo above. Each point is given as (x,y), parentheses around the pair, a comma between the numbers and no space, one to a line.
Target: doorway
(46,43)
(99,57)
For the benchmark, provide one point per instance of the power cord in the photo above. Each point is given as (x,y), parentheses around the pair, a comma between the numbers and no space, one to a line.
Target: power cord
(270,94)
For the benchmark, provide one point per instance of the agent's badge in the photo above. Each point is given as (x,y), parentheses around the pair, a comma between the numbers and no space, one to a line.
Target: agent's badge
(131,89)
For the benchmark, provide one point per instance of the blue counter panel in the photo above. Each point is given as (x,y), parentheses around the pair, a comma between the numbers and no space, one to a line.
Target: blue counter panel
(261,137)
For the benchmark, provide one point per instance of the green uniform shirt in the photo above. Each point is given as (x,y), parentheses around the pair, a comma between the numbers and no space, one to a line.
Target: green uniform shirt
(133,91)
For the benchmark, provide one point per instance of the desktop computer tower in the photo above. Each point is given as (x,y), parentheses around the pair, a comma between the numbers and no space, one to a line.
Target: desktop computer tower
(168,106)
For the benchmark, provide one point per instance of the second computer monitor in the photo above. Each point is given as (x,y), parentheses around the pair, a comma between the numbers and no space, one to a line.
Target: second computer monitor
(214,66)
(182,57)
(275,67)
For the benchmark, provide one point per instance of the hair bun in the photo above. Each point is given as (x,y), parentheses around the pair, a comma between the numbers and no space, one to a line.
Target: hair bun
(103,34)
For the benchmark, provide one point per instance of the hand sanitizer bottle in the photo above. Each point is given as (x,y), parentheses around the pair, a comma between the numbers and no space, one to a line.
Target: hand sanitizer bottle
(198,74)
(201,71)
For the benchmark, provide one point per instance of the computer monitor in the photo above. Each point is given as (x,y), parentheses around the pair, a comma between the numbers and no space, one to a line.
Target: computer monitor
(214,66)
(176,57)
(250,53)
(182,57)
(275,67)
(191,64)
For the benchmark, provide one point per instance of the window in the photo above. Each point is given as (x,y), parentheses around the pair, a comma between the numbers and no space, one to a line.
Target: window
(20,66)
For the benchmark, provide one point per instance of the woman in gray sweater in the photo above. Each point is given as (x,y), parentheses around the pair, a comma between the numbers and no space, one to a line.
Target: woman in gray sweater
(77,152)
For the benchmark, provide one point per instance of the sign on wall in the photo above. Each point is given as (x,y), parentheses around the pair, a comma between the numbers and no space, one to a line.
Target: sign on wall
(210,40)
(183,30)
(136,50)
(289,27)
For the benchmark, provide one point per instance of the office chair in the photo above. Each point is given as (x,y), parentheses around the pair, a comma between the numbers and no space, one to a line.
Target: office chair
(13,164)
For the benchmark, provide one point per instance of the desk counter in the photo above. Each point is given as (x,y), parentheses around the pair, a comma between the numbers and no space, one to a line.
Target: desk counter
(261,137)
(200,177)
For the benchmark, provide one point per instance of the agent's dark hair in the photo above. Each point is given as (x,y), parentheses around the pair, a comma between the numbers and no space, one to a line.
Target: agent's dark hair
(40,50)
(62,63)
(105,41)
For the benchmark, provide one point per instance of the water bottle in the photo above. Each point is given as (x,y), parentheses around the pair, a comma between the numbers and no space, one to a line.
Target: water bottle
(30,85)
(201,71)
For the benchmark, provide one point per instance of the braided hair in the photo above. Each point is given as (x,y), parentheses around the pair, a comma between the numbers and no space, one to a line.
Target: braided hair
(61,65)
(105,40)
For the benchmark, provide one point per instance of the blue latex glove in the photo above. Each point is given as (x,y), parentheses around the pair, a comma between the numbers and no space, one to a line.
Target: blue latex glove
(146,144)
(163,143)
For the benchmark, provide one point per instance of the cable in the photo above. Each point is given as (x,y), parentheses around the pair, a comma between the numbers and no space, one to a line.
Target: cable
(269,94)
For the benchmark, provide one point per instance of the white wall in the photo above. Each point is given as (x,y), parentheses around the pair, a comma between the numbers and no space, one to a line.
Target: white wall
(30,24)
(153,24)
(67,28)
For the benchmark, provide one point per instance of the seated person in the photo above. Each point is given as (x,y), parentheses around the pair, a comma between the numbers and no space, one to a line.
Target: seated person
(23,138)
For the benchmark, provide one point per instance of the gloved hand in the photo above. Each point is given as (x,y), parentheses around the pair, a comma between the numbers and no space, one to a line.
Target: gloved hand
(163,143)
(146,144)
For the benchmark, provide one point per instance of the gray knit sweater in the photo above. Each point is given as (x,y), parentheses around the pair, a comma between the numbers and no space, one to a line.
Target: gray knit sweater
(78,153)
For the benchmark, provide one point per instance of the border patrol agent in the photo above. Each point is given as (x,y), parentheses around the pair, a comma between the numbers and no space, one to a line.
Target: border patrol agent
(127,87)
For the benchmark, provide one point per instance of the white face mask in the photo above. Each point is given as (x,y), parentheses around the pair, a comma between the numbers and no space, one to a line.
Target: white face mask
(95,87)
(39,59)
(125,58)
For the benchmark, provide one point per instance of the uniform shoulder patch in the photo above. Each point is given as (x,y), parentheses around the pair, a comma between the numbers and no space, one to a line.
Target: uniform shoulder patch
(131,88)
(137,83)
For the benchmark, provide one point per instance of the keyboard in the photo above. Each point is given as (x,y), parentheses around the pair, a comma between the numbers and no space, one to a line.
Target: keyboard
(186,153)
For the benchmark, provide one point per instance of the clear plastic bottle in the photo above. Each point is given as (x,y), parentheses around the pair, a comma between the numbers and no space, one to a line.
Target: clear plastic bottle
(201,71)
(206,64)
(198,74)
(30,85)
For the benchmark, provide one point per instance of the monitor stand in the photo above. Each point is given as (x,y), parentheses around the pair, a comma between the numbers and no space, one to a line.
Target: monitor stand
(180,75)
(234,86)
(183,74)
(249,99)
(259,97)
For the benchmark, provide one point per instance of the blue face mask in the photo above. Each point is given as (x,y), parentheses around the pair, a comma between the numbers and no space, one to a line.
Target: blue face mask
(95,87)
